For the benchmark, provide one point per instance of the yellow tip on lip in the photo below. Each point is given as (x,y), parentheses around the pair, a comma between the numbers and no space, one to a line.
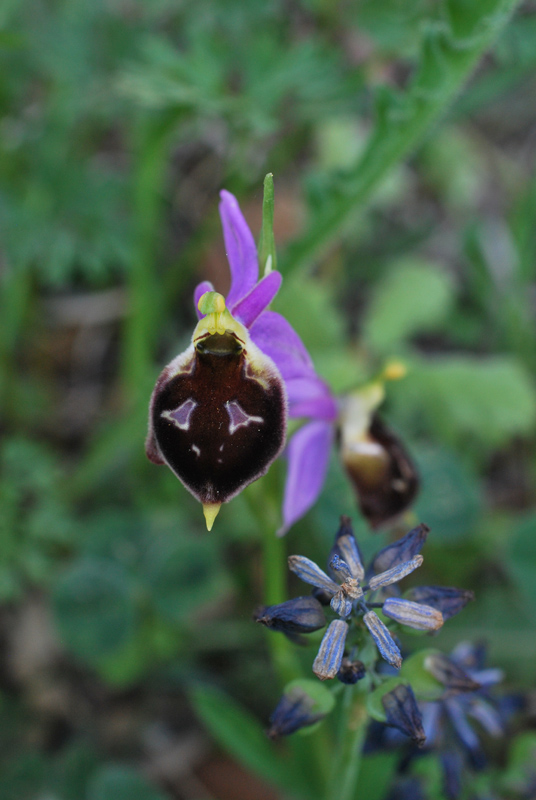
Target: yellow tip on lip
(210,510)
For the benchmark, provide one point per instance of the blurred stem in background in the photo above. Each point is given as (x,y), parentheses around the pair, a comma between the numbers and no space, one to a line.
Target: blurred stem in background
(152,144)
(404,119)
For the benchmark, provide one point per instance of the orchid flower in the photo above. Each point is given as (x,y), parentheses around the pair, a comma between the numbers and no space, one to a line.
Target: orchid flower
(218,411)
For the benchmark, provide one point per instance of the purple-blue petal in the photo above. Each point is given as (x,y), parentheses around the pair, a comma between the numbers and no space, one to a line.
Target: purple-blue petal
(310,397)
(308,456)
(199,291)
(250,307)
(278,339)
(240,249)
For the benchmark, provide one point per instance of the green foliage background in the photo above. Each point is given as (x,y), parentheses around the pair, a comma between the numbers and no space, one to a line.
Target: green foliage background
(401,140)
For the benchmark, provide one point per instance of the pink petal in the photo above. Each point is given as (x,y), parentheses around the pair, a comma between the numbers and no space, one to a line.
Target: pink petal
(276,337)
(199,291)
(259,298)
(308,457)
(240,248)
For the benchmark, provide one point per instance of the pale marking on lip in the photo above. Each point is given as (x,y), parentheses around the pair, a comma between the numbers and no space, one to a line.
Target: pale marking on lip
(180,417)
(238,417)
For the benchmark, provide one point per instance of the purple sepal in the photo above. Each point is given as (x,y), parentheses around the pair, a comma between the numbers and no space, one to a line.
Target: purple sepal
(240,248)
(310,397)
(446,599)
(402,550)
(250,307)
(308,457)
(199,291)
(275,336)
(403,713)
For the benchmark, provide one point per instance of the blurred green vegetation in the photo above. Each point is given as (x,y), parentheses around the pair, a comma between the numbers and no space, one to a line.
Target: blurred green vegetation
(405,215)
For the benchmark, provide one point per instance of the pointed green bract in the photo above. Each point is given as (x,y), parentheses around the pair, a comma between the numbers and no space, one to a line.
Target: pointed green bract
(267,252)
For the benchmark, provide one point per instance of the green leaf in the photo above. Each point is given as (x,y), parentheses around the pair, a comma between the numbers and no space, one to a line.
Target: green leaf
(375,775)
(122,783)
(240,734)
(423,683)
(488,399)
(94,608)
(450,501)
(374,699)
(309,307)
(184,574)
(415,296)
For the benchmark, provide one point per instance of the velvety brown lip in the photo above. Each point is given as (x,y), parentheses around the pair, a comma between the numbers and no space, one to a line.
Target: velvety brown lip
(228,426)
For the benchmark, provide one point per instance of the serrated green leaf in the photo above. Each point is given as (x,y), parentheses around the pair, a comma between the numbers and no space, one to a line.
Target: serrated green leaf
(94,608)
(415,296)
(184,574)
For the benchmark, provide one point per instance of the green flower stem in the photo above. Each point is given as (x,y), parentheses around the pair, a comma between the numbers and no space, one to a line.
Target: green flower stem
(347,760)
(449,54)
(265,509)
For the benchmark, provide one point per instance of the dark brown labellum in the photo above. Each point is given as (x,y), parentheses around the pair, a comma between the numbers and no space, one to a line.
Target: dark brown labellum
(382,473)
(218,416)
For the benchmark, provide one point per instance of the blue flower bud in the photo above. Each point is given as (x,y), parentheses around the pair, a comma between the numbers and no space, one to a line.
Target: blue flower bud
(309,572)
(329,658)
(351,672)
(403,713)
(395,574)
(300,615)
(294,711)
(383,639)
(402,550)
(341,604)
(346,547)
(448,600)
(415,615)
(450,674)
(340,568)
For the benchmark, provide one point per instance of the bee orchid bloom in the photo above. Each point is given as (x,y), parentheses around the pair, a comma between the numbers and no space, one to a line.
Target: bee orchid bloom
(218,412)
